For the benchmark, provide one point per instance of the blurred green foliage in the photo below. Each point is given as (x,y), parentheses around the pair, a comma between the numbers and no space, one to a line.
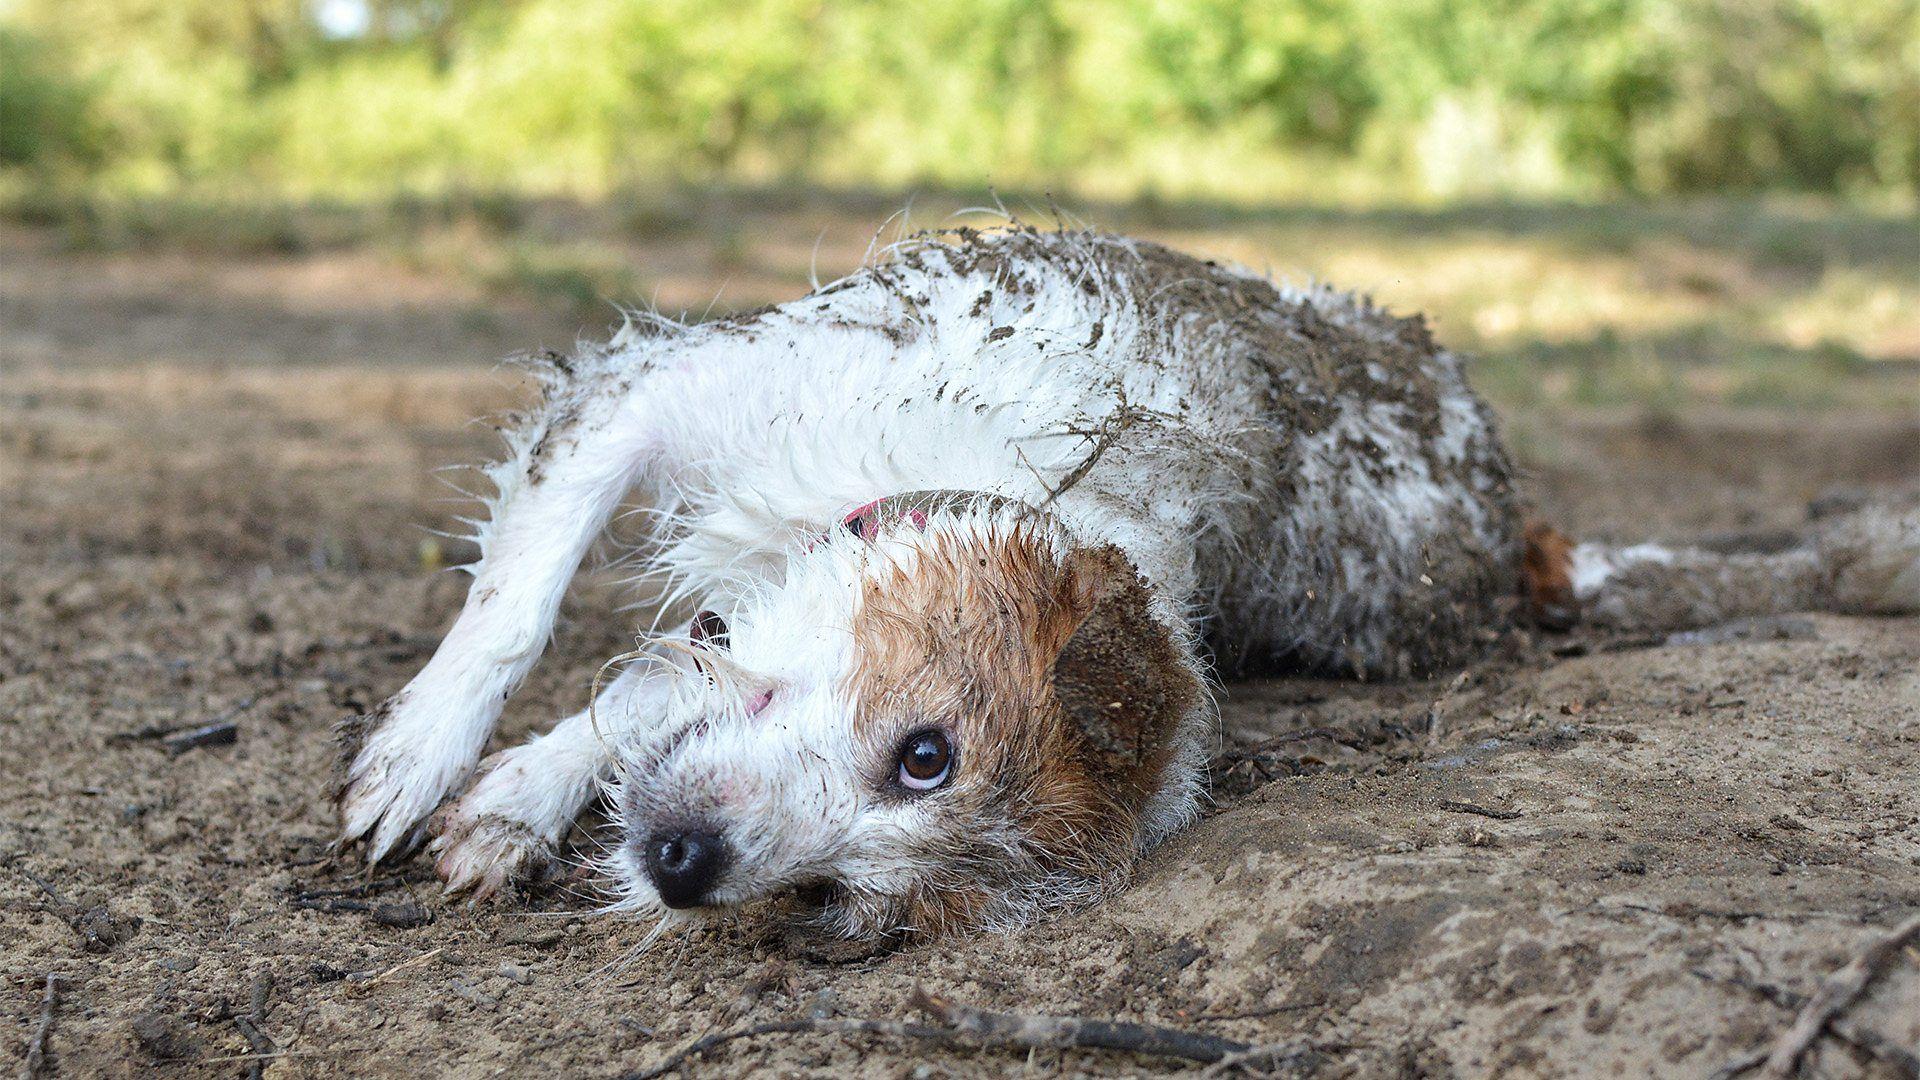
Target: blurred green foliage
(1225,98)
(45,112)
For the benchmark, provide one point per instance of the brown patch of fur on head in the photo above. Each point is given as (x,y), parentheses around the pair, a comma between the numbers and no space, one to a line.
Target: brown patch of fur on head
(1546,573)
(1121,677)
(1063,696)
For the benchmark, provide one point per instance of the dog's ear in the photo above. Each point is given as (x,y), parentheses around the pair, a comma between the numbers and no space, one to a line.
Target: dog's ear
(1121,677)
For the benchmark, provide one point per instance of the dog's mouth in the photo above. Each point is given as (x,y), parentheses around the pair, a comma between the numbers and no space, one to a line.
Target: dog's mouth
(818,892)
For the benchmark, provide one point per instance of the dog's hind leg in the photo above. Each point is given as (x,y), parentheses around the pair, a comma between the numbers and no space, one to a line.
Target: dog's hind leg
(585,448)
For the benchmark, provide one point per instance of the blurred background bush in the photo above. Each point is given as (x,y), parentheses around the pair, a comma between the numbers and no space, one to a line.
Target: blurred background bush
(1177,98)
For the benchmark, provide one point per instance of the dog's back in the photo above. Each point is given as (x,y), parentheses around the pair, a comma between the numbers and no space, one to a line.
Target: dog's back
(1322,484)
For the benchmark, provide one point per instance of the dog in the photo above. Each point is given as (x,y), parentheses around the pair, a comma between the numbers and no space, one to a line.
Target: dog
(966,537)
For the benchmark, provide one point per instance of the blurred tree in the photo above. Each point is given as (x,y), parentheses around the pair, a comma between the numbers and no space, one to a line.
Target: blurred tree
(46,119)
(1448,96)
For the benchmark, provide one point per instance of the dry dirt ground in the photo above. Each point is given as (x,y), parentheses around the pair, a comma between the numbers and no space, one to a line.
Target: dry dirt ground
(1585,857)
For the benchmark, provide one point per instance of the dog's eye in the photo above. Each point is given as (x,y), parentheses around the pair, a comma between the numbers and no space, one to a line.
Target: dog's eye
(709,629)
(926,760)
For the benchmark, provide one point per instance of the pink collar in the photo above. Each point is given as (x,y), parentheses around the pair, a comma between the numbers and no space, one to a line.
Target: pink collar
(866,521)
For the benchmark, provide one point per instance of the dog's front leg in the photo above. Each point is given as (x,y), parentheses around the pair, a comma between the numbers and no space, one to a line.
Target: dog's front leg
(509,822)
(571,469)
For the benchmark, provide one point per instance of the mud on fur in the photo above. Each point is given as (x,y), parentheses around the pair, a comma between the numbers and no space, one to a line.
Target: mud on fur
(969,532)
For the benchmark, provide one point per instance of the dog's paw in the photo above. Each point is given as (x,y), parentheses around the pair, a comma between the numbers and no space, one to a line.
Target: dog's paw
(486,856)
(500,833)
(394,781)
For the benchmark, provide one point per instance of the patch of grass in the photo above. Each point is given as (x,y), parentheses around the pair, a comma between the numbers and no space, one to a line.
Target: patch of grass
(501,213)
(656,213)
(584,279)
(87,222)
(1690,366)
(252,225)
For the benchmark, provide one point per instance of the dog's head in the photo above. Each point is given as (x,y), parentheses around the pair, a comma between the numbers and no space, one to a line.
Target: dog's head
(948,715)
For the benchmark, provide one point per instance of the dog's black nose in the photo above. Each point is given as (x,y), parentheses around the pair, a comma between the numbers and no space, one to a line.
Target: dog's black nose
(684,865)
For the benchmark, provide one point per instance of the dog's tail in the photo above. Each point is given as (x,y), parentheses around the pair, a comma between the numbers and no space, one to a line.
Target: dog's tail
(1863,561)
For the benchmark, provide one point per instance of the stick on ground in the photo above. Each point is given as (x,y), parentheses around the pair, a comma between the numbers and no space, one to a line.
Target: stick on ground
(1077,1032)
(796,1025)
(1840,990)
(37,1048)
(964,1024)
(1456,807)
(362,985)
(1845,1028)
(224,733)
(251,1026)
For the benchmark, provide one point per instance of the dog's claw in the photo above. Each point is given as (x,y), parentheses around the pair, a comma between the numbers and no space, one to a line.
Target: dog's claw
(386,801)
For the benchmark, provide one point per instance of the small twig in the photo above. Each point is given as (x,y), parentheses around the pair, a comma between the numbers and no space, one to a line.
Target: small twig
(1269,1058)
(37,1048)
(59,902)
(1742,1064)
(1840,990)
(1077,1032)
(1633,641)
(330,904)
(230,1058)
(1863,1038)
(1483,811)
(258,1000)
(796,1025)
(965,1022)
(1348,739)
(251,1024)
(399,914)
(223,733)
(1271,1010)
(178,739)
(1102,441)
(1103,436)
(143,733)
(362,985)
(97,927)
(263,1047)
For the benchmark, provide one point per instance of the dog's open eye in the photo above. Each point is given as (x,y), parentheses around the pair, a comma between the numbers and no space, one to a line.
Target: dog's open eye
(926,760)
(709,629)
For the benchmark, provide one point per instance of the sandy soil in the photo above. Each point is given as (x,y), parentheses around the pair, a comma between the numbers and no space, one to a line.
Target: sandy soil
(1585,857)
